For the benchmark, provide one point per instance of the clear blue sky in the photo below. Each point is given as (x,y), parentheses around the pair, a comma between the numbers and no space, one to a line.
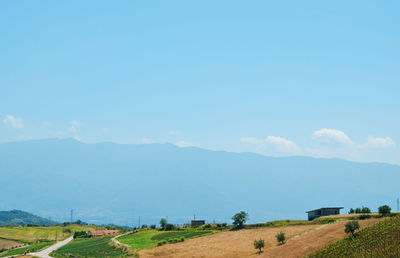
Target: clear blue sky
(315,78)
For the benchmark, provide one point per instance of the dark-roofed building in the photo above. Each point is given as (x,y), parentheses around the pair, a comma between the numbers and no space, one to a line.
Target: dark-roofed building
(196,223)
(323,212)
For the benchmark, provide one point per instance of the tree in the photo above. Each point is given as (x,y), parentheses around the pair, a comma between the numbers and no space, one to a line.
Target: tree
(259,244)
(281,237)
(169,227)
(78,222)
(351,211)
(358,210)
(365,210)
(351,226)
(384,210)
(163,222)
(239,219)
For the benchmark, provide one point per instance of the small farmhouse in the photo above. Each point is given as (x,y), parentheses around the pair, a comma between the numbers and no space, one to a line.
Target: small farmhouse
(196,223)
(97,233)
(323,212)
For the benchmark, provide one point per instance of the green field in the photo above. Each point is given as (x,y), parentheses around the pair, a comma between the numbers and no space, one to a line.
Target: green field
(32,248)
(379,240)
(96,247)
(149,238)
(30,234)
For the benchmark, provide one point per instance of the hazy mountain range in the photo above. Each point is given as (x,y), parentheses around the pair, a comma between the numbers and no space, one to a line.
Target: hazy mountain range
(114,183)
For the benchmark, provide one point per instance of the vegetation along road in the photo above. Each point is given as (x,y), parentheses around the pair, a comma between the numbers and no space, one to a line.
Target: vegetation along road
(45,253)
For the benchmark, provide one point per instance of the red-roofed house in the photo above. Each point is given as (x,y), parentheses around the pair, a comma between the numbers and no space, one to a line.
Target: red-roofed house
(97,233)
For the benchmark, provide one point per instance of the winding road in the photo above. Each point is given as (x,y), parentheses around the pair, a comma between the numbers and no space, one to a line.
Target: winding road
(45,253)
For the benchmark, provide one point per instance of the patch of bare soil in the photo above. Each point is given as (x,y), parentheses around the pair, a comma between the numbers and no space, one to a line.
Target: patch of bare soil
(8,244)
(300,241)
(225,244)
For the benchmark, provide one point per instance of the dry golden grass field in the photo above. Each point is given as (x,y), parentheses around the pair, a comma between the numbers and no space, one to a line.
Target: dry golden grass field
(300,241)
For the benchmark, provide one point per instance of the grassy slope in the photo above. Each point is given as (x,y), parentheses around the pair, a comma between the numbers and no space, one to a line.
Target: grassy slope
(30,234)
(149,238)
(32,248)
(379,240)
(96,247)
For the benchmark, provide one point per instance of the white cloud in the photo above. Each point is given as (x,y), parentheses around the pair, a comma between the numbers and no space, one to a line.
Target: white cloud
(184,144)
(282,144)
(378,143)
(13,121)
(331,136)
(273,145)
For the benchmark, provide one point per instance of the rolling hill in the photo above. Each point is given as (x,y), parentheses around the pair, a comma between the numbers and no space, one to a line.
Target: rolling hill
(107,182)
(22,218)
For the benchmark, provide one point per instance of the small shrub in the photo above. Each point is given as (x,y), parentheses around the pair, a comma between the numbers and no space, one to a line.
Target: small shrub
(66,230)
(326,221)
(224,224)
(259,244)
(182,239)
(281,237)
(153,226)
(364,216)
(351,226)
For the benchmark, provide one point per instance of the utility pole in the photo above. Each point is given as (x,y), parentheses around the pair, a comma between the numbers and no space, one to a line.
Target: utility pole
(72,213)
(139,222)
(397,204)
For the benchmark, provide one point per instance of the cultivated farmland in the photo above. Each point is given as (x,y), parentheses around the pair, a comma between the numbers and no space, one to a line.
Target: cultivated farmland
(379,240)
(150,238)
(96,247)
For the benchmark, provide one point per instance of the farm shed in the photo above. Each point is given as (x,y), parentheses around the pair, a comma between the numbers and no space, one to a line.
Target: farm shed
(323,212)
(196,223)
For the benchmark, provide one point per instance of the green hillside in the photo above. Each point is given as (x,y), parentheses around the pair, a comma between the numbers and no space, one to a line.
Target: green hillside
(97,247)
(21,218)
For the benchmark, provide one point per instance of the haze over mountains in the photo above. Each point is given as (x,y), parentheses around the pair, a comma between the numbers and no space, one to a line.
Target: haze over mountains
(22,218)
(114,183)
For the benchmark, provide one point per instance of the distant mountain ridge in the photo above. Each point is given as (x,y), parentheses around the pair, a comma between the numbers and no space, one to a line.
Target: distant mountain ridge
(117,183)
(22,218)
